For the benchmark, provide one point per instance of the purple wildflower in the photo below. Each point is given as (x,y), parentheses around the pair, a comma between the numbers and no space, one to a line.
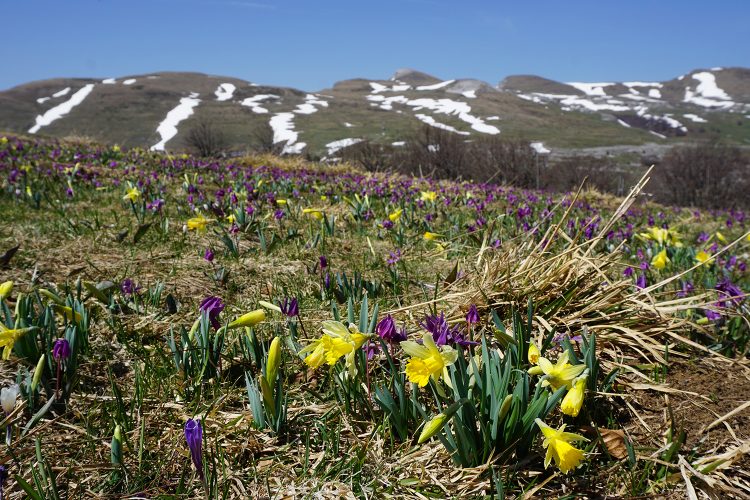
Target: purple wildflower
(61,350)
(729,292)
(194,439)
(208,255)
(472,317)
(641,281)
(712,315)
(443,334)
(687,289)
(129,287)
(290,307)
(388,331)
(323,261)
(212,306)
(394,257)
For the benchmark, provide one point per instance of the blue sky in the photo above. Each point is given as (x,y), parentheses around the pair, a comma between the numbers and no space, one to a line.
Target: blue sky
(311,44)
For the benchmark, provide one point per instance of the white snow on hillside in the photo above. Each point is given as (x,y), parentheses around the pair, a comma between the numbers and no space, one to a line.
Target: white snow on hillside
(398,144)
(707,93)
(254,101)
(308,107)
(167,129)
(624,124)
(539,148)
(108,81)
(657,85)
(593,89)
(655,93)
(435,86)
(42,100)
(283,131)
(348,125)
(340,144)
(129,81)
(431,121)
(225,91)
(61,109)
(63,92)
(695,118)
(470,94)
(657,134)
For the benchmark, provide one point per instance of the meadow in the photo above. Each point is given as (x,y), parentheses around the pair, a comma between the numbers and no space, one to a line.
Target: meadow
(264,327)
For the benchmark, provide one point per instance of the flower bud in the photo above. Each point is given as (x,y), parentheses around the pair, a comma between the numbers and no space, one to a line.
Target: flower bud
(249,319)
(533,354)
(38,371)
(116,454)
(5,289)
(8,397)
(274,361)
(505,407)
(432,427)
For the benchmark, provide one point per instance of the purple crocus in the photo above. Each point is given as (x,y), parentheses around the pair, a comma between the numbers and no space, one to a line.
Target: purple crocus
(712,315)
(641,281)
(129,287)
(472,317)
(61,350)
(3,480)
(388,331)
(194,439)
(729,293)
(212,306)
(443,334)
(290,307)
(208,255)
(323,262)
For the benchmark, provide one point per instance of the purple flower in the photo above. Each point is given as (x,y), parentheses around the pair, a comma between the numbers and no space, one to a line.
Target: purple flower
(394,257)
(3,479)
(729,292)
(628,272)
(194,439)
(387,330)
(323,261)
(212,306)
(290,307)
(712,315)
(641,281)
(61,350)
(129,287)
(687,289)
(208,255)
(442,334)
(279,214)
(472,317)
(387,224)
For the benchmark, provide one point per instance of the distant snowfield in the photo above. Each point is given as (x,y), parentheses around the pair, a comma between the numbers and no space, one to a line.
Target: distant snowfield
(308,107)
(129,81)
(225,91)
(167,129)
(707,93)
(539,148)
(283,131)
(62,109)
(61,93)
(695,118)
(340,144)
(254,101)
(431,121)
(593,89)
(109,81)
(436,86)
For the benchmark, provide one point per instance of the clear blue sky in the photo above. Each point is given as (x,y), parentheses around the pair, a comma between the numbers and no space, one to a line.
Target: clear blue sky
(311,44)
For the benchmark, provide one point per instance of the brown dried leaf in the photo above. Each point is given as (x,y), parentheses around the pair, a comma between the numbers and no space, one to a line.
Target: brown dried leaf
(614,441)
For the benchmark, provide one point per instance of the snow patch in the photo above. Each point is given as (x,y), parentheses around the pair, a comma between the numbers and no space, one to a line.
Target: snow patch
(657,134)
(129,81)
(624,124)
(695,118)
(225,91)
(282,125)
(436,86)
(643,84)
(308,107)
(63,92)
(655,93)
(167,129)
(254,101)
(470,94)
(340,144)
(41,100)
(398,144)
(61,109)
(431,121)
(539,148)
(707,93)
(348,125)
(592,89)
(108,81)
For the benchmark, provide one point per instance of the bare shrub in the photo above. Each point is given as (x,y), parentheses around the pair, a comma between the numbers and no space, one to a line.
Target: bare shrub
(206,139)
(709,175)
(603,174)
(263,140)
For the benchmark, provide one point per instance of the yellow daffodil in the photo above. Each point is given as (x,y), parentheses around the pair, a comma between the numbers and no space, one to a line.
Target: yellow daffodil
(663,237)
(431,236)
(428,196)
(703,257)
(132,194)
(274,361)
(748,237)
(561,374)
(720,237)
(427,361)
(281,202)
(337,341)
(557,442)
(573,400)
(533,354)
(432,427)
(660,260)
(67,312)
(5,290)
(8,338)
(198,223)
(395,216)
(116,148)
(248,319)
(314,212)
(231,218)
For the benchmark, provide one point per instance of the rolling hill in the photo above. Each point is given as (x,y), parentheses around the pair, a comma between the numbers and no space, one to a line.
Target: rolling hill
(157,110)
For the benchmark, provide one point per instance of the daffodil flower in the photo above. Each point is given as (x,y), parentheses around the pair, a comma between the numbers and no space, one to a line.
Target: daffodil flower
(8,337)
(428,196)
(132,194)
(198,223)
(337,341)
(427,361)
(663,237)
(5,289)
(660,260)
(573,400)
(314,212)
(533,354)
(395,216)
(557,442)
(703,257)
(431,236)
(561,374)
(720,237)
